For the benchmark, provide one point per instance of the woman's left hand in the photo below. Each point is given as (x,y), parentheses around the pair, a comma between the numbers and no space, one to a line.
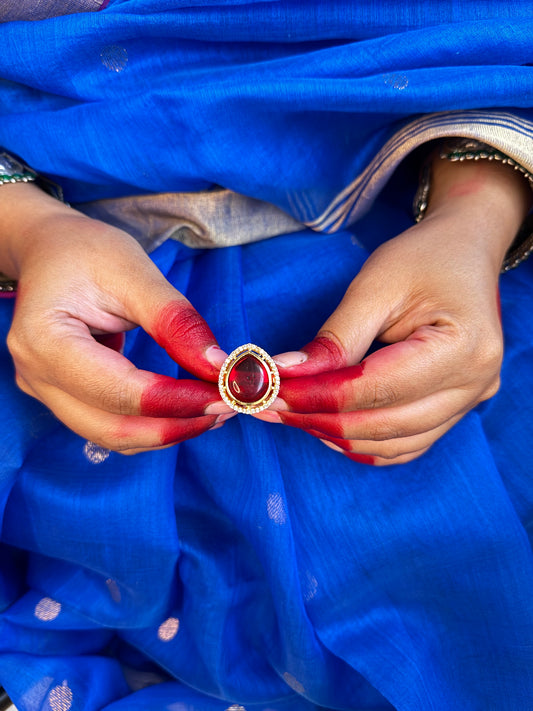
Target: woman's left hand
(431,294)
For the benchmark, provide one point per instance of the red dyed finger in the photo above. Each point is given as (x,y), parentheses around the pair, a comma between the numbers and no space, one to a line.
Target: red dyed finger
(167,397)
(128,452)
(397,374)
(392,448)
(102,378)
(320,355)
(359,458)
(378,461)
(126,432)
(325,392)
(132,432)
(384,424)
(430,361)
(142,450)
(187,338)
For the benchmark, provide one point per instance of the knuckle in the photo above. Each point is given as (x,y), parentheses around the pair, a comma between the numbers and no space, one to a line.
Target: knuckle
(107,438)
(380,393)
(381,461)
(383,430)
(392,450)
(112,444)
(27,339)
(118,399)
(489,355)
(492,389)
(14,346)
(384,462)
(123,399)
(22,384)
(105,441)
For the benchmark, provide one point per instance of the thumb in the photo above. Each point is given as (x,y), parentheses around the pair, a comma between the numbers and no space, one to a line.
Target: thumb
(345,337)
(173,322)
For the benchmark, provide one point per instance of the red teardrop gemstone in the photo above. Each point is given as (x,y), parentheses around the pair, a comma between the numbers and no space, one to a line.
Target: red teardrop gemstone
(248,379)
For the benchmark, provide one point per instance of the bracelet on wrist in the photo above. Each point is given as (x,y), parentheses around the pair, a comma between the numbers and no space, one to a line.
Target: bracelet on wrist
(7,285)
(467,149)
(12,170)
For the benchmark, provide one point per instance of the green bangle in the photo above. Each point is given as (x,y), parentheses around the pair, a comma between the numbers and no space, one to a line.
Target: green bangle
(12,170)
(17,178)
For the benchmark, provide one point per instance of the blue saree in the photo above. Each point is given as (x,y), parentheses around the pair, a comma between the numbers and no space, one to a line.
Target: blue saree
(252,568)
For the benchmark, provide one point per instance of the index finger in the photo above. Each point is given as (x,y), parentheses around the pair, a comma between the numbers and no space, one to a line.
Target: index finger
(397,374)
(103,378)
(178,327)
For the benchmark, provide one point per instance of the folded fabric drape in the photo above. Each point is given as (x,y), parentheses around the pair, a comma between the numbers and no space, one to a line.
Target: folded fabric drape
(252,568)
(284,101)
(28,10)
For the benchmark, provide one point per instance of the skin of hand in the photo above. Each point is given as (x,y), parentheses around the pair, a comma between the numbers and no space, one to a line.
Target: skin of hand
(80,280)
(432,295)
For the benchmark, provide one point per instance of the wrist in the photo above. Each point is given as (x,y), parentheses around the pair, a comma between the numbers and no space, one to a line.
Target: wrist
(488,193)
(493,187)
(24,209)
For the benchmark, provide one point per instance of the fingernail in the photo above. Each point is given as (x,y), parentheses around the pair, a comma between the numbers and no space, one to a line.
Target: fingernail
(222,418)
(268,416)
(217,408)
(216,356)
(279,405)
(288,360)
(332,446)
(217,424)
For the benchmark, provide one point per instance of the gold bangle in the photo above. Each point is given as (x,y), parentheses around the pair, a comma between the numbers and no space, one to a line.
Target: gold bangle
(465,149)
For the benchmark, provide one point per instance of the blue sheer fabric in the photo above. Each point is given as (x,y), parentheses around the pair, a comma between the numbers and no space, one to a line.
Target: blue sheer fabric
(252,567)
(283,100)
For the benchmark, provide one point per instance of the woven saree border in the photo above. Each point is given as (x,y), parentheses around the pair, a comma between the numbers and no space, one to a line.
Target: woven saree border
(508,133)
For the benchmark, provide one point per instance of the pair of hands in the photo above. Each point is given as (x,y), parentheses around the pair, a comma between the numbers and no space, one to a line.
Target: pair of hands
(430,293)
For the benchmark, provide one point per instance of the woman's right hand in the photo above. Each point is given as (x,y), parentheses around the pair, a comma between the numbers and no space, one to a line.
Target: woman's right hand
(80,278)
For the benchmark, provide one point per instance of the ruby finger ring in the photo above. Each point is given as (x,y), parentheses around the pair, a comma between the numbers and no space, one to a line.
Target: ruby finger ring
(249,379)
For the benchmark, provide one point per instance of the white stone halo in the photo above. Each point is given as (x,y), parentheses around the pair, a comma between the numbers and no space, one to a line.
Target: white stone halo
(273,376)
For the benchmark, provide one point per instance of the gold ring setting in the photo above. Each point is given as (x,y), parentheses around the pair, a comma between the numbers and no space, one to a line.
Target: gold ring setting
(249,380)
